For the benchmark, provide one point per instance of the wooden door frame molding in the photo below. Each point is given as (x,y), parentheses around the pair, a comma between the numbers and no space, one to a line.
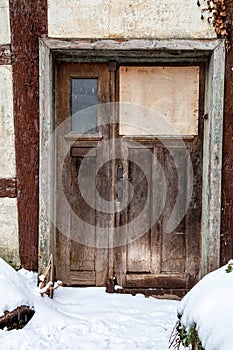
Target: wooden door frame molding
(210,51)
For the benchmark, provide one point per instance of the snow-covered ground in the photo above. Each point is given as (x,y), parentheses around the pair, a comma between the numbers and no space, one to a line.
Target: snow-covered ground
(83,318)
(209,306)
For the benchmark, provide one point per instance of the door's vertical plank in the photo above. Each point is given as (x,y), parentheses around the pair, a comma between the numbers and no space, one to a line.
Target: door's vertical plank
(102,219)
(113,134)
(193,217)
(81,250)
(121,216)
(173,245)
(63,220)
(194,213)
(138,233)
(103,178)
(62,212)
(158,190)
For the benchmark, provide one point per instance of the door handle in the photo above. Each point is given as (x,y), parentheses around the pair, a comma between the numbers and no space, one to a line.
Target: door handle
(120,174)
(119,186)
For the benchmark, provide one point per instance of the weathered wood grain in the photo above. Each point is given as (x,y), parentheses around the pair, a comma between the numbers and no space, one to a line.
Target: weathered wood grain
(134,44)
(8,188)
(28,20)
(82,152)
(82,278)
(17,318)
(85,249)
(173,254)
(227,170)
(5,54)
(155,258)
(212,161)
(160,293)
(159,281)
(139,246)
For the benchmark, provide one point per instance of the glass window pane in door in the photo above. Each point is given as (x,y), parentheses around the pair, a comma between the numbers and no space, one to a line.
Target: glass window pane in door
(84,105)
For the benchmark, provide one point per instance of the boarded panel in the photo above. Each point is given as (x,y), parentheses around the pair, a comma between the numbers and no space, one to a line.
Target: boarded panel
(159,100)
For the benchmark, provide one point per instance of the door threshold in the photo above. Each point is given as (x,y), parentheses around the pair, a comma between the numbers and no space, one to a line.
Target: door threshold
(159,293)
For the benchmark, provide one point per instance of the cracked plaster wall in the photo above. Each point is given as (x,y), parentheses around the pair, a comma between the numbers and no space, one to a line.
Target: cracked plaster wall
(127,19)
(4,23)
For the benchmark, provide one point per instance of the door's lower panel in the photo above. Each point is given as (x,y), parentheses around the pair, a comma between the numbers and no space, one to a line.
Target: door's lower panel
(82,278)
(155,281)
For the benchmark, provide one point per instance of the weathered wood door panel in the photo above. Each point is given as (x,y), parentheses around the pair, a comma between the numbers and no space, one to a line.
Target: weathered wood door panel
(139,251)
(161,256)
(148,233)
(80,259)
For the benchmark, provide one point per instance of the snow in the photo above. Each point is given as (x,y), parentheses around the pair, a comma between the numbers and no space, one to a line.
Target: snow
(13,291)
(83,318)
(209,305)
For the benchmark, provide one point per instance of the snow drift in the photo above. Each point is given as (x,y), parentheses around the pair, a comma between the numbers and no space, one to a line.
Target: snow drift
(83,318)
(14,289)
(209,306)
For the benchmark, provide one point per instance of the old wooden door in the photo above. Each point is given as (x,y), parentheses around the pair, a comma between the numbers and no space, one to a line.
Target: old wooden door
(128,195)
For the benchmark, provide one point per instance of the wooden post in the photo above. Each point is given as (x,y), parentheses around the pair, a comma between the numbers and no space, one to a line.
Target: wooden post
(227,170)
(28,20)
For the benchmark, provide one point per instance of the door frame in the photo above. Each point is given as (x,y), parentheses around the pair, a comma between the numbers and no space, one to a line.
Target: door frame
(175,51)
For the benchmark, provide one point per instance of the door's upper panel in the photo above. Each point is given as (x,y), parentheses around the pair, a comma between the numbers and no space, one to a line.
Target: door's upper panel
(159,100)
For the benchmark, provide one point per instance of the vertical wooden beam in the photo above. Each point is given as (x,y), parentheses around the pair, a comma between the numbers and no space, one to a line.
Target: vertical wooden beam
(227,173)
(212,161)
(28,20)
(112,167)
(47,170)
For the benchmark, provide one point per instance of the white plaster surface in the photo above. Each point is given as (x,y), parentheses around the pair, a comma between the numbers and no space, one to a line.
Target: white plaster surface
(127,19)
(9,230)
(7,146)
(4,23)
